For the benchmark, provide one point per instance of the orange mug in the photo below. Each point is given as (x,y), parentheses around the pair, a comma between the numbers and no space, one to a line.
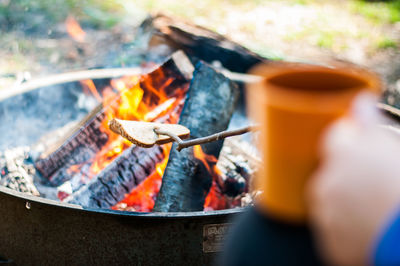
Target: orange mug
(294,103)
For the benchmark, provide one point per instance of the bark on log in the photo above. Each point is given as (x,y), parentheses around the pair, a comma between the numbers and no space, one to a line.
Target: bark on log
(120,177)
(199,42)
(207,110)
(88,139)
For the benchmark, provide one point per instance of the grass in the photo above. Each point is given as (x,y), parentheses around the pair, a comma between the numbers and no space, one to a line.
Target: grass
(386,43)
(326,39)
(241,20)
(31,14)
(377,12)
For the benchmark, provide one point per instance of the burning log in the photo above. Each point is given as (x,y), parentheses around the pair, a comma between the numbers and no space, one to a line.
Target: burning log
(124,173)
(88,139)
(200,42)
(207,110)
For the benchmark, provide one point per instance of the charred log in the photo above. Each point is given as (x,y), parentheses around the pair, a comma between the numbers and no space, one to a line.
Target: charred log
(120,177)
(207,110)
(200,43)
(87,139)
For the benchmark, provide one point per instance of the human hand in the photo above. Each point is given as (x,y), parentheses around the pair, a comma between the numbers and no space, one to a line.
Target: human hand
(356,189)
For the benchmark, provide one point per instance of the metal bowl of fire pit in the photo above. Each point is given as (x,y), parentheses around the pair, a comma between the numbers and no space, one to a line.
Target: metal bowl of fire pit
(36,230)
(39,231)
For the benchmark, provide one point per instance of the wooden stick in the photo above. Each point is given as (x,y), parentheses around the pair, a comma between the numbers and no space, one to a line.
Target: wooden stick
(214,137)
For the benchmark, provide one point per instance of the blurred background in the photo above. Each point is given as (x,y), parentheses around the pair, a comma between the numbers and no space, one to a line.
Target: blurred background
(39,37)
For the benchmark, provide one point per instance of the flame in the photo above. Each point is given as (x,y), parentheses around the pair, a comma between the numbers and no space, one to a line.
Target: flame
(144,99)
(159,110)
(131,98)
(74,29)
(133,103)
(215,200)
(142,197)
(203,157)
(88,84)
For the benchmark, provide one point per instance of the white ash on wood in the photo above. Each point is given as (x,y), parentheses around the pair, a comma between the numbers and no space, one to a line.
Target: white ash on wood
(16,170)
(209,106)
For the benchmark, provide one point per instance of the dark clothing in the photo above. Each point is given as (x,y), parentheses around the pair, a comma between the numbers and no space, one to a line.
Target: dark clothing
(259,240)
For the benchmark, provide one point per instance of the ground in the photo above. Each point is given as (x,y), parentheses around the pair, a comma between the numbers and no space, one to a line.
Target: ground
(34,39)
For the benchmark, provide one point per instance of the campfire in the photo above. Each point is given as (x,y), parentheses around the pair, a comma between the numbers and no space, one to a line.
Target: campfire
(92,166)
(62,167)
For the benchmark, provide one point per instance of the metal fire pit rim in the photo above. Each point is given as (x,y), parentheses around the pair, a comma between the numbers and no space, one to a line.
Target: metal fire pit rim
(158,215)
(67,77)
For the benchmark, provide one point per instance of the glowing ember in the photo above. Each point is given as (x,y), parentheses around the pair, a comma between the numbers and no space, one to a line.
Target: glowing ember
(74,169)
(74,29)
(215,199)
(142,197)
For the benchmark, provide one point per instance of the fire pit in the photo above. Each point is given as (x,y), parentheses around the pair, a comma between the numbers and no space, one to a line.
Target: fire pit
(102,200)
(82,228)
(40,231)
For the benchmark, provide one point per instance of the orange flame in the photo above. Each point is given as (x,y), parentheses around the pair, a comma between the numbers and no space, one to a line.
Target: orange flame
(92,88)
(132,103)
(215,199)
(74,29)
(137,98)
(203,157)
(132,98)
(142,197)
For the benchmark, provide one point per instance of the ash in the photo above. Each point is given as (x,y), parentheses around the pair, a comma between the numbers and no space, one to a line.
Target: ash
(17,170)
(238,165)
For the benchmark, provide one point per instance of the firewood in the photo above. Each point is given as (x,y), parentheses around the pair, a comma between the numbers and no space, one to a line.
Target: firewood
(85,141)
(199,43)
(143,133)
(126,172)
(208,109)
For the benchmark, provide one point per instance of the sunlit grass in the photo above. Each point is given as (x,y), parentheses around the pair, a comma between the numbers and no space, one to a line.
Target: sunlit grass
(377,12)
(33,13)
(386,43)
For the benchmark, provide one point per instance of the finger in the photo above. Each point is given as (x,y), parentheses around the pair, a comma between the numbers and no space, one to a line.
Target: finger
(338,137)
(364,111)
(344,133)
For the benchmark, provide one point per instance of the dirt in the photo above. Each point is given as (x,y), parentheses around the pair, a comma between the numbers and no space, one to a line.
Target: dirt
(314,32)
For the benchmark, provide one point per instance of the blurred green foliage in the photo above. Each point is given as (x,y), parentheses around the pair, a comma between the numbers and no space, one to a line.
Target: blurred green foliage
(386,43)
(378,11)
(33,14)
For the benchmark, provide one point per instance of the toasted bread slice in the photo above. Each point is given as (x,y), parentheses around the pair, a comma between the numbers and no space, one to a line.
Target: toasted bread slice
(142,133)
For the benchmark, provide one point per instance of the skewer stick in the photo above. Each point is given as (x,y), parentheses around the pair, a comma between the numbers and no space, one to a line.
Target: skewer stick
(147,134)
(214,137)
